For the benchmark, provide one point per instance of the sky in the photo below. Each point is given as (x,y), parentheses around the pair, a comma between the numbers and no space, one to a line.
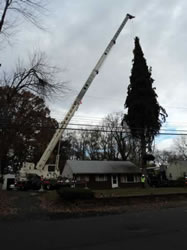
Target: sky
(77,33)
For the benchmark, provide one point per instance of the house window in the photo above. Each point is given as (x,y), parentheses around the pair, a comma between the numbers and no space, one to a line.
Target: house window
(123,179)
(129,178)
(100,178)
(82,178)
(137,178)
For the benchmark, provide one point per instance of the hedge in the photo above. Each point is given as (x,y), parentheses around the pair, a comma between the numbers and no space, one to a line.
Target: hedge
(67,193)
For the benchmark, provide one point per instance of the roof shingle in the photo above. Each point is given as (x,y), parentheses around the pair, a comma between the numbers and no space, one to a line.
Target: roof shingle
(102,167)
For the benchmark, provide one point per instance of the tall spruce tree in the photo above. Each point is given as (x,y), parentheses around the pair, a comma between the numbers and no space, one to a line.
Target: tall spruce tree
(144,116)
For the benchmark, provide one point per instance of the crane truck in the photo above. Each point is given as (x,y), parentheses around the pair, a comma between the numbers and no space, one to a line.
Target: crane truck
(51,171)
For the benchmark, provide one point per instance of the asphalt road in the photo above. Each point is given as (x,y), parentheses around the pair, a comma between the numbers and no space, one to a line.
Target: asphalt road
(153,230)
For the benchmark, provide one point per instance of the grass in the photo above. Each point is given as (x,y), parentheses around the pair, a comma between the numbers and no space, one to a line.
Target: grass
(119,192)
(51,201)
(50,195)
(124,192)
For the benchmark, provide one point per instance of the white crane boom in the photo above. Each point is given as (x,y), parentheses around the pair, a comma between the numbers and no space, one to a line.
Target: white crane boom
(63,125)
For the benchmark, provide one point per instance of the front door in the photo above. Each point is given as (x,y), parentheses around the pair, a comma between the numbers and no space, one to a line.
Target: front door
(114,179)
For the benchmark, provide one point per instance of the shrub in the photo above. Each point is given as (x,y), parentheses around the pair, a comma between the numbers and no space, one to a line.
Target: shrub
(75,193)
(180,182)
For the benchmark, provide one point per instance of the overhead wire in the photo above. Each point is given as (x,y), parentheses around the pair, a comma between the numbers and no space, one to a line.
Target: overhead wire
(101,129)
(98,120)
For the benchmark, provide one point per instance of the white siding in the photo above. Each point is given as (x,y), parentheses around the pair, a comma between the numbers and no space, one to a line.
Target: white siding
(176,170)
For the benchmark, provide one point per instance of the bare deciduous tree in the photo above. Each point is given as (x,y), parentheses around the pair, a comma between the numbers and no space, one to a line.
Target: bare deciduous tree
(38,77)
(31,10)
(119,134)
(180,144)
(163,157)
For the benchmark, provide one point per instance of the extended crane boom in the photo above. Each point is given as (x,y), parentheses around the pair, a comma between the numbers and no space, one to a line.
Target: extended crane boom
(63,125)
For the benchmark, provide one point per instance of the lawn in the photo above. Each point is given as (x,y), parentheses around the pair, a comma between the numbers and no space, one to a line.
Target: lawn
(51,201)
(28,203)
(52,197)
(125,192)
(119,192)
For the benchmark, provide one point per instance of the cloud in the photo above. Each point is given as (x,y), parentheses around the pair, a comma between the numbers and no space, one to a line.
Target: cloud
(80,30)
(165,144)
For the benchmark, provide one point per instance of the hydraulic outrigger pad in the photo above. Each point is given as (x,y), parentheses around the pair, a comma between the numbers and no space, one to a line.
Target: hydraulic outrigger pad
(130,16)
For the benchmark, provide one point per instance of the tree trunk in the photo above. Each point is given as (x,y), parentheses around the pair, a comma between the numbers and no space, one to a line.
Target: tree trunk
(143,153)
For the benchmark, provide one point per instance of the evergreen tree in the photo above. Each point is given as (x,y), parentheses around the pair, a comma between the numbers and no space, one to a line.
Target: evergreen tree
(145,116)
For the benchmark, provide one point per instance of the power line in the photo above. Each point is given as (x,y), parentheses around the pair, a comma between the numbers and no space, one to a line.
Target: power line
(119,129)
(100,119)
(96,130)
(95,125)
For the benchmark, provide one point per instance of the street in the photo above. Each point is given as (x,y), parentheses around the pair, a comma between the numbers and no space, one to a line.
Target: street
(161,229)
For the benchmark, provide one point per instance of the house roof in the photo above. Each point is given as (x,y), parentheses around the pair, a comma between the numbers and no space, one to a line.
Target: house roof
(102,167)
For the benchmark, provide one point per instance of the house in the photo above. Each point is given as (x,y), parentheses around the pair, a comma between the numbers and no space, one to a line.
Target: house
(176,169)
(103,174)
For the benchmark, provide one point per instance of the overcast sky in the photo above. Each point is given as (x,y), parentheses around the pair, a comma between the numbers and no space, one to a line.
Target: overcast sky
(78,33)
